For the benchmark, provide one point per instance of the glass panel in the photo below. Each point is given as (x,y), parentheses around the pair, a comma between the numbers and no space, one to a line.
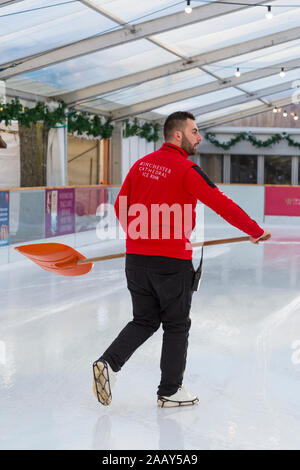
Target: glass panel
(102,66)
(273,80)
(141,11)
(159,87)
(60,209)
(30,86)
(35,31)
(268,57)
(279,96)
(213,166)
(26,215)
(199,101)
(237,27)
(278,170)
(4,218)
(243,169)
(87,200)
(226,112)
(30,218)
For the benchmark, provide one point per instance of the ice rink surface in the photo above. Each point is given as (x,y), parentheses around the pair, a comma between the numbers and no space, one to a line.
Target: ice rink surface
(243,359)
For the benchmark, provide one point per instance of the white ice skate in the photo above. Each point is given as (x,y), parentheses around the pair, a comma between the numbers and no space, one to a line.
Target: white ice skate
(181,398)
(104,381)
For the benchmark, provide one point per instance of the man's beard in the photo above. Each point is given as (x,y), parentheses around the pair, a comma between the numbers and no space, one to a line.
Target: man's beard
(187,146)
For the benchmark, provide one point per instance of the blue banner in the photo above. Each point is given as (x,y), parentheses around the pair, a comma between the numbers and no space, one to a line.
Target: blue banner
(4,218)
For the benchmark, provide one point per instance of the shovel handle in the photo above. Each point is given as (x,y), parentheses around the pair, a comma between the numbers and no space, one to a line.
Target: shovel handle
(207,243)
(221,241)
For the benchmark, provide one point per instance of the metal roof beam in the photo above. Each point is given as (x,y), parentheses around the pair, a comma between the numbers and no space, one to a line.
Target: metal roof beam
(12,93)
(121,36)
(247,97)
(181,66)
(6,3)
(242,114)
(154,103)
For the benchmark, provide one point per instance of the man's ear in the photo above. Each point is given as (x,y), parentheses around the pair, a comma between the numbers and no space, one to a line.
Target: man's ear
(177,135)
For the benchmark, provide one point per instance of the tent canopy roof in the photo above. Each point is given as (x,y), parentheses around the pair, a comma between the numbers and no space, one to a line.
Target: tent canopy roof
(124,59)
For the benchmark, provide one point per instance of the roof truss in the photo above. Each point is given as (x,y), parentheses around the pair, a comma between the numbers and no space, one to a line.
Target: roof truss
(121,36)
(246,113)
(247,97)
(217,85)
(181,65)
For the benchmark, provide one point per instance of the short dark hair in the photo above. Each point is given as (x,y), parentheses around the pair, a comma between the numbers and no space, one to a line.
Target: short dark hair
(175,122)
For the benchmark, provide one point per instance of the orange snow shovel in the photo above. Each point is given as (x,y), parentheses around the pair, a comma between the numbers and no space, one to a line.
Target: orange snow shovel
(64,260)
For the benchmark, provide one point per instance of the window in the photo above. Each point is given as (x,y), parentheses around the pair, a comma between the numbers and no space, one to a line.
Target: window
(243,169)
(213,167)
(278,170)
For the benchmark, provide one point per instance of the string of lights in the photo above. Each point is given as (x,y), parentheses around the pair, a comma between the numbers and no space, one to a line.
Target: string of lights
(285,113)
(227,2)
(188,9)
(269,15)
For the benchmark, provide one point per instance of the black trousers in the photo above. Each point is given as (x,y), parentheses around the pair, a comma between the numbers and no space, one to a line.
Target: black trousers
(161,293)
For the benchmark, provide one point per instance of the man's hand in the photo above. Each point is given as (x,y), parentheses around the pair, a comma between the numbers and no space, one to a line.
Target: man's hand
(264,237)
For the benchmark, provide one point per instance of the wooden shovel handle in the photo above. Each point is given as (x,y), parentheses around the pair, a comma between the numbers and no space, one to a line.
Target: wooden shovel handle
(208,243)
(221,241)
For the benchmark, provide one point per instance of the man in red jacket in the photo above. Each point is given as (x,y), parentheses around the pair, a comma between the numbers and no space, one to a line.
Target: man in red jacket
(156,208)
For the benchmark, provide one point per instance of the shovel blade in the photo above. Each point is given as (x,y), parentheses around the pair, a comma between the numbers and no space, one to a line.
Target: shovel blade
(56,258)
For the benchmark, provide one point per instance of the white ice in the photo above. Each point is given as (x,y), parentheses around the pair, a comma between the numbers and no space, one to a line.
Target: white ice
(243,358)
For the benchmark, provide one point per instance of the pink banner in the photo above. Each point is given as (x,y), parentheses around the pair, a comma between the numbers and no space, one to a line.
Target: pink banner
(283,201)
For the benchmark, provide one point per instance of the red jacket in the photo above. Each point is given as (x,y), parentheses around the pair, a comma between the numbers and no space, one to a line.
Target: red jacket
(157,210)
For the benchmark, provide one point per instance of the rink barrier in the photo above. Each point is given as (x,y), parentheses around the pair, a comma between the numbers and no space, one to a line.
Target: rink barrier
(68,214)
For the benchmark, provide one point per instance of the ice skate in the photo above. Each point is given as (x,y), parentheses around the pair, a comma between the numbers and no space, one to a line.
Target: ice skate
(181,398)
(104,381)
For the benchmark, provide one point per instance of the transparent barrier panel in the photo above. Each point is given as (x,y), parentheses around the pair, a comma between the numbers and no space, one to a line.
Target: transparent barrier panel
(27,215)
(87,201)
(60,212)
(112,194)
(4,218)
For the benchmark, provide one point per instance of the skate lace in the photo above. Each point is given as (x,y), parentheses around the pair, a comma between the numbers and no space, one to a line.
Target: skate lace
(103,388)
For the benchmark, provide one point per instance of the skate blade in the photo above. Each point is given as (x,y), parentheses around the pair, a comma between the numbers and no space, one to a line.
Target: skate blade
(101,387)
(161,403)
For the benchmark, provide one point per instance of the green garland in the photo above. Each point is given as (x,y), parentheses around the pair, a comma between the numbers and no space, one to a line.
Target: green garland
(80,122)
(92,125)
(248,136)
(147,131)
(26,116)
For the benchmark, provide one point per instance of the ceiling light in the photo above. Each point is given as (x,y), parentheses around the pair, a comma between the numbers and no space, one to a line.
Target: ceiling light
(269,14)
(296,117)
(284,114)
(282,73)
(275,110)
(237,73)
(188,9)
